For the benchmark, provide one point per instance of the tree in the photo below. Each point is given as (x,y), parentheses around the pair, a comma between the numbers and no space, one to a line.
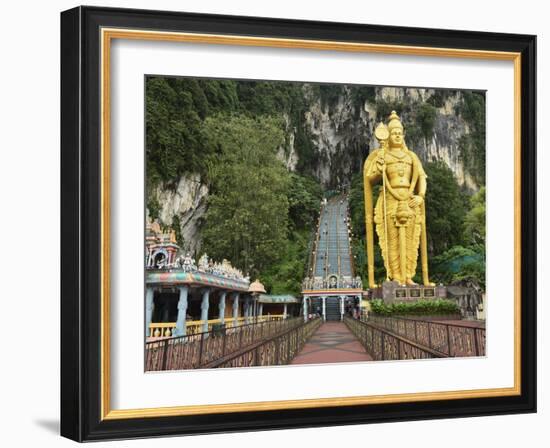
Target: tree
(445,209)
(474,222)
(173,132)
(175,110)
(459,263)
(247,216)
(472,145)
(304,198)
(426,115)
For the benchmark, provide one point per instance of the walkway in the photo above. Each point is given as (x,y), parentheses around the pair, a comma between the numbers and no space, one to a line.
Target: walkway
(332,342)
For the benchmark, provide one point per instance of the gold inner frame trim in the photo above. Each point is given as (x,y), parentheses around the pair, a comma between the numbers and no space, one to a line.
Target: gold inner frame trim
(107,35)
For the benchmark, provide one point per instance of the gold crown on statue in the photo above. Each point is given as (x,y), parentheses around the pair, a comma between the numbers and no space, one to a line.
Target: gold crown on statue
(394,121)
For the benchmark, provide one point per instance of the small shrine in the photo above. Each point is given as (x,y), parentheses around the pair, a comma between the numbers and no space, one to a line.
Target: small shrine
(160,246)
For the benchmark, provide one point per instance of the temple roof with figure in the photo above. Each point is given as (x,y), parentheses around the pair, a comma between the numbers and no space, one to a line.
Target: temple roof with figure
(166,265)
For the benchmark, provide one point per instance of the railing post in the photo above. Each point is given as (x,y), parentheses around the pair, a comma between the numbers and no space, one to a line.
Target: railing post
(224,342)
(449,339)
(430,334)
(288,348)
(200,349)
(165,354)
(382,346)
(277,354)
(476,342)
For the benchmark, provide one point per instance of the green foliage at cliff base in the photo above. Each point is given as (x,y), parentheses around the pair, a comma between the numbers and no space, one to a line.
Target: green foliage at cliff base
(435,307)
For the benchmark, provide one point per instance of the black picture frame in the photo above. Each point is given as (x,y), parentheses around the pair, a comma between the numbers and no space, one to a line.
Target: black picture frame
(81,224)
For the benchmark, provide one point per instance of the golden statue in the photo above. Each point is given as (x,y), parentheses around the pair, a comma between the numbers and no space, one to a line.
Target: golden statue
(399,215)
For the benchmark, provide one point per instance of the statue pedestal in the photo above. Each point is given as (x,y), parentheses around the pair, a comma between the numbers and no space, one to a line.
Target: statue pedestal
(392,292)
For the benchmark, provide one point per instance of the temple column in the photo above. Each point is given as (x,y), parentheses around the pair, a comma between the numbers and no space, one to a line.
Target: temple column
(342,299)
(284,311)
(235,308)
(324,308)
(221,307)
(149,307)
(246,310)
(204,309)
(305,309)
(261,312)
(181,326)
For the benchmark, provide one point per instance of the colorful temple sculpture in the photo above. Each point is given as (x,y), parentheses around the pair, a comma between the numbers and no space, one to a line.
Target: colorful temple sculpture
(184,296)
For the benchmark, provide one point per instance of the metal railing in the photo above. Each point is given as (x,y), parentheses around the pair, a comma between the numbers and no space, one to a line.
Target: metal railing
(383,345)
(453,340)
(278,350)
(166,329)
(198,350)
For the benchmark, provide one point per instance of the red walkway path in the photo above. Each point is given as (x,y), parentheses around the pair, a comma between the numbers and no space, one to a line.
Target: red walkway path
(332,342)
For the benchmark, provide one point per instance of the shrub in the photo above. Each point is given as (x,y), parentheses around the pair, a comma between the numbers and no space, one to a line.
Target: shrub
(418,308)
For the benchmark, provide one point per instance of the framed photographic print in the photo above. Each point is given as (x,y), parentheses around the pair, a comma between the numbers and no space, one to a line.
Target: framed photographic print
(276,224)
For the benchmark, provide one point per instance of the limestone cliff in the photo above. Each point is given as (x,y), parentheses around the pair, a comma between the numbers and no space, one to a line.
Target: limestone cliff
(182,206)
(342,132)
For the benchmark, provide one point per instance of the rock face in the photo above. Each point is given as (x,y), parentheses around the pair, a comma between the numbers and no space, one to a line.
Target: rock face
(448,129)
(341,133)
(187,202)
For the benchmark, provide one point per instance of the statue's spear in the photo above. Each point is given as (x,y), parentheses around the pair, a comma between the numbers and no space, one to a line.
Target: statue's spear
(382,134)
(369,220)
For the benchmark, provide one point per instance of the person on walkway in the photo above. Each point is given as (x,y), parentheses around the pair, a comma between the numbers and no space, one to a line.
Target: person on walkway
(318,311)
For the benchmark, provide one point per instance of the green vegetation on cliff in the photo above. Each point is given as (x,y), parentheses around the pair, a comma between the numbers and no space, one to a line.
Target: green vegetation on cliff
(176,109)
(472,145)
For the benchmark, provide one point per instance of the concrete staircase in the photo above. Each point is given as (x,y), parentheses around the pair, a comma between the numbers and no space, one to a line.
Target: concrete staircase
(333,247)
(332,308)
